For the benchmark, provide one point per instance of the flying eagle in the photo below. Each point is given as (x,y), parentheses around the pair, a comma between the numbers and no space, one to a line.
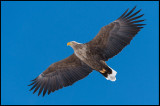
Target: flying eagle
(90,56)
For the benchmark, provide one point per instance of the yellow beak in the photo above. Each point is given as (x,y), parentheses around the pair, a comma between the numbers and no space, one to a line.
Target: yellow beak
(68,43)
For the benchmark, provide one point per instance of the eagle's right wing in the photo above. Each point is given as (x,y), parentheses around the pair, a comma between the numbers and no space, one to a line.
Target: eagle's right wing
(112,38)
(61,74)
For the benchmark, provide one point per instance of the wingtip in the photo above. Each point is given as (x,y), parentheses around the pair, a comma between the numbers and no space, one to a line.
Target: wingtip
(44,92)
(33,92)
(30,89)
(39,94)
(49,92)
(43,95)
(135,7)
(33,79)
(123,13)
(32,83)
(140,10)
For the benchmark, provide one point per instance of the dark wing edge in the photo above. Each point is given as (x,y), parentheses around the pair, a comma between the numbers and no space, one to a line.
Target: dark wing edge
(114,37)
(60,74)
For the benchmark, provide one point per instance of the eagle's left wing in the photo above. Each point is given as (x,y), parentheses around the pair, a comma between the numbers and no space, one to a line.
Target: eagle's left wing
(112,38)
(60,74)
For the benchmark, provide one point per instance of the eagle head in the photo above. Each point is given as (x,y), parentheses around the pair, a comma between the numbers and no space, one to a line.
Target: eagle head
(72,44)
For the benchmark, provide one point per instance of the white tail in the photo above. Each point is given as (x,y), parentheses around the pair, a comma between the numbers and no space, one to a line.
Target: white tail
(112,76)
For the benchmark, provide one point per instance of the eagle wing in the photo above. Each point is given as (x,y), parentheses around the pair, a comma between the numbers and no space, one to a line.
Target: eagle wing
(60,74)
(112,38)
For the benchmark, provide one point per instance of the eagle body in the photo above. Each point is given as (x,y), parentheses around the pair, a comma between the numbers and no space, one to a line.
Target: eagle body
(90,56)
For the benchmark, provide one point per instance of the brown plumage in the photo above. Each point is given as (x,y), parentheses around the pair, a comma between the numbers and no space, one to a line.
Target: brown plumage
(110,40)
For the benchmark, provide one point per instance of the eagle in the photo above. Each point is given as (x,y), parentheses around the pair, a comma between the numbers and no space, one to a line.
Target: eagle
(90,56)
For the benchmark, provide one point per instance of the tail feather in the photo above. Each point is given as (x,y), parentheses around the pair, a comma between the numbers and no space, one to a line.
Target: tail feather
(112,76)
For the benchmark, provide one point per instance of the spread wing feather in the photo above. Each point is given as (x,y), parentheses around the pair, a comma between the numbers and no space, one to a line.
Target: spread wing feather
(112,38)
(60,74)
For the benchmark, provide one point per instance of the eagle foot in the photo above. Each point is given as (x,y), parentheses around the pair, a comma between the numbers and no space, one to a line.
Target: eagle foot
(103,70)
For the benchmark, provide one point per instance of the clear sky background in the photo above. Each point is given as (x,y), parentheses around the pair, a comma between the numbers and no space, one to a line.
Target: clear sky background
(35,35)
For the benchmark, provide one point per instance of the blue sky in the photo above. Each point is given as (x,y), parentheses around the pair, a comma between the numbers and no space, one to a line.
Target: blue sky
(35,35)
